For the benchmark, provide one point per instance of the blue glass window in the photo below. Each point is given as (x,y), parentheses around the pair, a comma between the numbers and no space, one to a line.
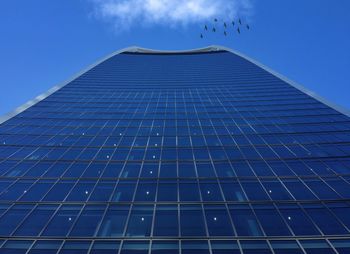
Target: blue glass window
(59,191)
(105,247)
(298,189)
(124,191)
(160,247)
(297,220)
(245,221)
(45,247)
(102,191)
(114,221)
(88,221)
(224,247)
(341,245)
(15,247)
(35,222)
(37,191)
(167,191)
(232,191)
(286,247)
(192,221)
(218,220)
(254,190)
(194,247)
(276,190)
(75,247)
(327,223)
(188,191)
(62,221)
(146,191)
(81,191)
(135,247)
(210,191)
(12,218)
(187,170)
(341,211)
(253,247)
(316,247)
(140,221)
(166,221)
(271,222)
(16,190)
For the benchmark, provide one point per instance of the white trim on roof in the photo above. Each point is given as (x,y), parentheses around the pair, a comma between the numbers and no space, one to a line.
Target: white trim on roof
(136,49)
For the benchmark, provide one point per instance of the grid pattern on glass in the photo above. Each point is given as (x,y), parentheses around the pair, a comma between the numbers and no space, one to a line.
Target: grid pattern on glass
(146,149)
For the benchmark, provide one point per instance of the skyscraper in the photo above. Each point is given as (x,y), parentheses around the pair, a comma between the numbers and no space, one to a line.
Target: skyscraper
(200,151)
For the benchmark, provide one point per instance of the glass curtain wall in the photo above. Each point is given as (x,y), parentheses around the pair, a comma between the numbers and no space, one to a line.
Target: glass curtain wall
(176,153)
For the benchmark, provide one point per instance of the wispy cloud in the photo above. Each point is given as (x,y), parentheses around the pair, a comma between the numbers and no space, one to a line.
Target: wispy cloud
(127,13)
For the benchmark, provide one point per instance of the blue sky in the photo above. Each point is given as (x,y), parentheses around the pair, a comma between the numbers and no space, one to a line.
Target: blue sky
(44,42)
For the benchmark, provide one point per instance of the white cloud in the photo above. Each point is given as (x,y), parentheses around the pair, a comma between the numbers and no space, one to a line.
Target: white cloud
(127,13)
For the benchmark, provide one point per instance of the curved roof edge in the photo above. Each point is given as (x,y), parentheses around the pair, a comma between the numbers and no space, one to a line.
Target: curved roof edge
(136,49)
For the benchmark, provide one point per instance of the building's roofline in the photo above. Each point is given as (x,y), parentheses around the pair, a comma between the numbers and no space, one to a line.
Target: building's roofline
(136,49)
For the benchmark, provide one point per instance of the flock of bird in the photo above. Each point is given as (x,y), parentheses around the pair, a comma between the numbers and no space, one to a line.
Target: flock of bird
(237,26)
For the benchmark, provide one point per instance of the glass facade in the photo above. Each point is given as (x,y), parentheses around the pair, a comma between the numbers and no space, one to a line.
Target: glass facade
(197,152)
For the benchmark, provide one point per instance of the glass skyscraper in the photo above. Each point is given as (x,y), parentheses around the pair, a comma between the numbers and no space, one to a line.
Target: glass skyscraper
(202,151)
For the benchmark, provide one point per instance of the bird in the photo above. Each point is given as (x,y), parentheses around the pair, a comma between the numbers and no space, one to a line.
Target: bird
(238,30)
(248,27)
(225,24)
(215,20)
(225,33)
(205,27)
(233,23)
(240,21)
(201,36)
(214,30)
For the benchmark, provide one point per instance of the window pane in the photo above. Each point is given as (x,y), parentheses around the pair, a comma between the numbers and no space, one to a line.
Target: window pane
(166,221)
(297,220)
(254,247)
(12,218)
(210,191)
(194,247)
(124,191)
(62,221)
(218,220)
(170,247)
(36,221)
(327,223)
(16,247)
(146,191)
(105,247)
(167,191)
(59,191)
(189,191)
(113,223)
(225,247)
(75,247)
(286,247)
(233,191)
(45,247)
(245,222)
(102,191)
(316,247)
(88,221)
(135,247)
(271,221)
(192,220)
(254,190)
(140,221)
